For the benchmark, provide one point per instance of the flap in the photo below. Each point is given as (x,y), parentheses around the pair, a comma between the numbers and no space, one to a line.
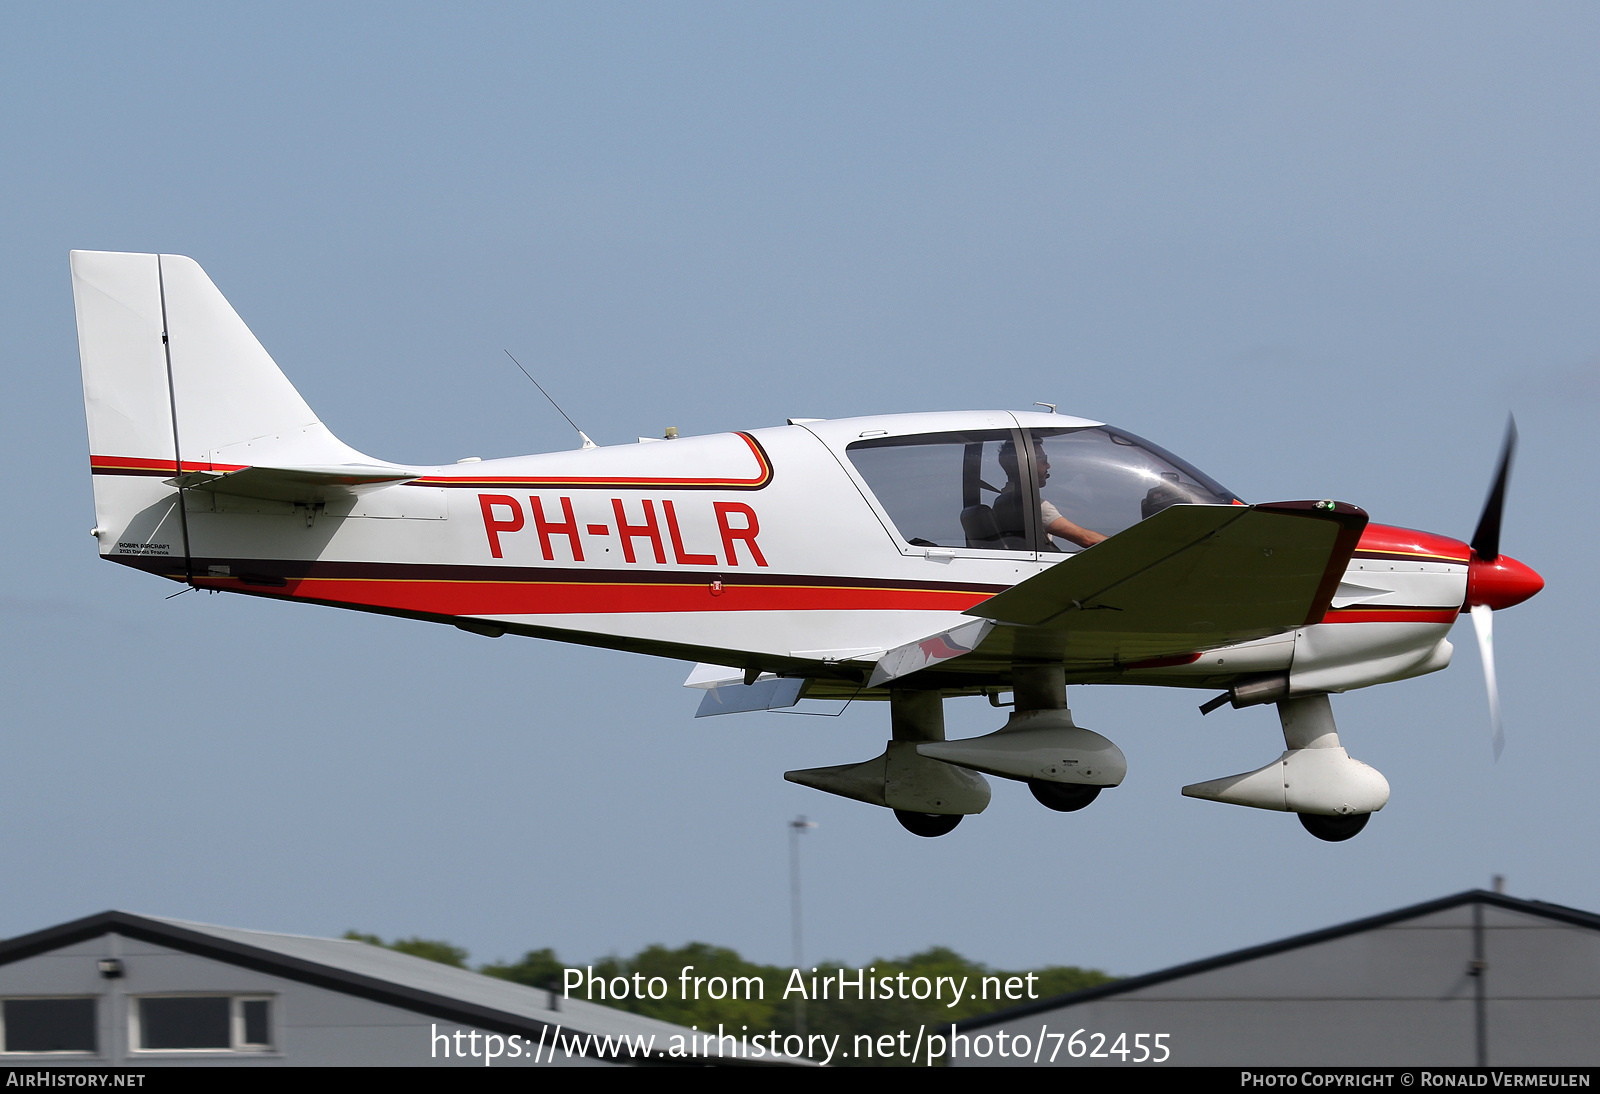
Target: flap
(768,693)
(927,652)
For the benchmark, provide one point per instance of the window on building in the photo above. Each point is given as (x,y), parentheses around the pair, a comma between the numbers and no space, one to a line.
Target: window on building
(215,1023)
(257,1027)
(49,1025)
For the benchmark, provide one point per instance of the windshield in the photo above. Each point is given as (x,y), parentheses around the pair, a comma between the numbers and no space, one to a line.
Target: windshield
(969,489)
(1102,480)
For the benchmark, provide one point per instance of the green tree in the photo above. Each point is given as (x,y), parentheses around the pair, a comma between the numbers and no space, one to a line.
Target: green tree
(537,969)
(704,986)
(891,1012)
(430,948)
(690,978)
(689,998)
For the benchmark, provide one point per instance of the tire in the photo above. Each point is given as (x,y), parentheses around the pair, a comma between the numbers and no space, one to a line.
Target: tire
(1063,797)
(1334,829)
(927,824)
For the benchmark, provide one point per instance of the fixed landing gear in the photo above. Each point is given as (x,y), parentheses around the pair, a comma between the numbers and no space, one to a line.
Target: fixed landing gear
(1062,797)
(1334,829)
(1315,778)
(927,824)
(931,783)
(1064,765)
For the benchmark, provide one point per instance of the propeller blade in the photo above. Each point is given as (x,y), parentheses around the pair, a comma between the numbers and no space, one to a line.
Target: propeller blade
(1483,623)
(1486,540)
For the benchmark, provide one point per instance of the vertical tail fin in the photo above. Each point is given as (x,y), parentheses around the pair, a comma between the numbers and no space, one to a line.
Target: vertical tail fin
(174,381)
(167,361)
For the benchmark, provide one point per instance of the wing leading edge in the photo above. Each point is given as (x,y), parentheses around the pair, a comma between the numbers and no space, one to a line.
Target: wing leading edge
(1192,577)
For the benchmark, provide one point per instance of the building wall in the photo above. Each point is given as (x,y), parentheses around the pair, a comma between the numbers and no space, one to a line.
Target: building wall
(1395,995)
(311,1026)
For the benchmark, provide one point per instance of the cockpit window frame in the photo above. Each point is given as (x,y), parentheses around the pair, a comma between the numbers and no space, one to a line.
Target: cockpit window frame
(1023,432)
(1027,484)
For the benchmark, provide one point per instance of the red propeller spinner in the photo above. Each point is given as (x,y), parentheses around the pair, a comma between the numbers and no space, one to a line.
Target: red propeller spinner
(1499,582)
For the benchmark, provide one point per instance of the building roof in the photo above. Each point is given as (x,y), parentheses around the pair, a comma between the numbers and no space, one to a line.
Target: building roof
(1556,912)
(367,971)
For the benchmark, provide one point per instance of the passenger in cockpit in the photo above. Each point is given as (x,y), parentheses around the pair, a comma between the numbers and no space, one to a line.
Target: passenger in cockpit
(1008,505)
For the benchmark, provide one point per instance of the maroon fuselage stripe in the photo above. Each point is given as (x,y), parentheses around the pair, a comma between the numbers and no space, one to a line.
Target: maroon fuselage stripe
(554,598)
(762,478)
(1408,556)
(132,465)
(1386,542)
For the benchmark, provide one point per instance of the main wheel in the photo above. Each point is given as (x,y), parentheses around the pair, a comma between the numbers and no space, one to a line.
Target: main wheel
(1333,829)
(1062,797)
(927,824)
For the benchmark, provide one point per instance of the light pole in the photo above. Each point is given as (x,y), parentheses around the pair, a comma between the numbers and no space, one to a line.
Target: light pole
(796,828)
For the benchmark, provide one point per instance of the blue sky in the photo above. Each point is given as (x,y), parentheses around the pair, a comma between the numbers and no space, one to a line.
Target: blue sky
(1318,250)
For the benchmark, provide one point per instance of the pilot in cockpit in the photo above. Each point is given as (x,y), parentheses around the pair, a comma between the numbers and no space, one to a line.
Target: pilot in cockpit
(1008,505)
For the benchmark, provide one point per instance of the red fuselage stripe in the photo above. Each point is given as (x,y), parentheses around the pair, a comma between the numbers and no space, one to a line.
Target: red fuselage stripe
(1393,615)
(560,598)
(134,465)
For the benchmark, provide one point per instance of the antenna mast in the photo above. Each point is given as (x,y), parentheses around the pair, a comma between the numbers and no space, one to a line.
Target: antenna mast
(587,443)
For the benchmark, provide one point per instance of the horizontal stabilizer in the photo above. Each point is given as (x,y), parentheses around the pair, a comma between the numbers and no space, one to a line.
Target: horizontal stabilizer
(298,484)
(1193,577)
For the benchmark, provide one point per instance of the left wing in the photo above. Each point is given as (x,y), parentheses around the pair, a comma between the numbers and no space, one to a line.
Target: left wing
(1192,577)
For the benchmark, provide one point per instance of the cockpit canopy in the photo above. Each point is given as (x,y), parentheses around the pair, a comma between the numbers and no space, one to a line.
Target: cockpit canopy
(1039,489)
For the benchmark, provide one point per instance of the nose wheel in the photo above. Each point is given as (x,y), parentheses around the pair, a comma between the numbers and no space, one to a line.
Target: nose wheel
(927,824)
(1334,829)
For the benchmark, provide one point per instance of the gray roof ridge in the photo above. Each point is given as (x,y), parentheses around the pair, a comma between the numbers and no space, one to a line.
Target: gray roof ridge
(202,925)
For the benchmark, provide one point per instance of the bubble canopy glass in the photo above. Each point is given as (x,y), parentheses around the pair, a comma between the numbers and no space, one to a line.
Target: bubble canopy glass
(969,489)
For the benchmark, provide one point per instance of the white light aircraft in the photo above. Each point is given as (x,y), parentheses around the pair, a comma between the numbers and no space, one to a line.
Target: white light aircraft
(906,558)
